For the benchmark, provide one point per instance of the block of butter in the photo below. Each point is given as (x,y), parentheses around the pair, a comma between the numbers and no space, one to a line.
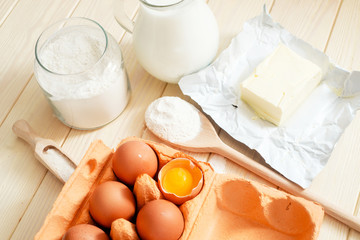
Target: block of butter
(279,84)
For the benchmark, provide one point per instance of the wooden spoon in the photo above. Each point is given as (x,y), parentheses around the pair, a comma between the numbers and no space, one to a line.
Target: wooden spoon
(46,151)
(208,141)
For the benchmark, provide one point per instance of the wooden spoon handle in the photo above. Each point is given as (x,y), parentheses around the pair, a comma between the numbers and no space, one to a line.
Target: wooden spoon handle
(285,184)
(23,130)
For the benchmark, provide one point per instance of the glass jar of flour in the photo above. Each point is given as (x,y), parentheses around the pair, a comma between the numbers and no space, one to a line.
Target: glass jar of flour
(80,68)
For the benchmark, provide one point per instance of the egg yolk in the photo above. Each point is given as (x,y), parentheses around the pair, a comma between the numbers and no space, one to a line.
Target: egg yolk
(178,181)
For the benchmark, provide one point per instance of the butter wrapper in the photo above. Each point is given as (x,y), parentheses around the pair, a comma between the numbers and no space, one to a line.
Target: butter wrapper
(300,148)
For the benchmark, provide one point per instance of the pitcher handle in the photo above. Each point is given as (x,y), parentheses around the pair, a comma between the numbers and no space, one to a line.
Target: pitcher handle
(121,17)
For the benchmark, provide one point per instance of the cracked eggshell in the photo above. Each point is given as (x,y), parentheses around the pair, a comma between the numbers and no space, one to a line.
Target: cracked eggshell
(146,190)
(122,229)
(197,179)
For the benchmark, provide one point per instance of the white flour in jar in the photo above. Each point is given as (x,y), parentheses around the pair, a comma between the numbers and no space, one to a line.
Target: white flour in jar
(86,86)
(173,119)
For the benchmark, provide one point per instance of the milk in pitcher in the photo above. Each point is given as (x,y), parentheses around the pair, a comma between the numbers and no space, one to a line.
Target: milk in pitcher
(174,38)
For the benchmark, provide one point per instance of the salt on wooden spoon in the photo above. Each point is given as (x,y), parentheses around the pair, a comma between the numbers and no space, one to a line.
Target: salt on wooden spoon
(207,140)
(46,151)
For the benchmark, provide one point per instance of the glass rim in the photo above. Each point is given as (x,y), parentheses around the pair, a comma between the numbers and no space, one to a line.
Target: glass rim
(161,6)
(64,21)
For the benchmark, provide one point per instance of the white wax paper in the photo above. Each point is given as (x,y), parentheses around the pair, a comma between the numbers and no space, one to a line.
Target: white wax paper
(300,148)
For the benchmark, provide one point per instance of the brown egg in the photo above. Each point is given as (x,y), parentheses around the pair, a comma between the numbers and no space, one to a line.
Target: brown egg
(85,232)
(111,200)
(160,220)
(132,159)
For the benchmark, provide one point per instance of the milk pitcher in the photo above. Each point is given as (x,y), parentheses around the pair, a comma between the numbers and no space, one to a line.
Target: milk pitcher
(171,38)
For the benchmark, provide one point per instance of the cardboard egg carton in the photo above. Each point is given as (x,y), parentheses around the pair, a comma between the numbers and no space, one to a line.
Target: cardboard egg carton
(227,207)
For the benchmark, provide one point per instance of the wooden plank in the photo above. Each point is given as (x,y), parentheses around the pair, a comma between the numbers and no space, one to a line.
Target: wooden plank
(299,18)
(312,21)
(343,47)
(145,89)
(6,6)
(17,40)
(353,235)
(20,170)
(77,141)
(232,15)
(32,221)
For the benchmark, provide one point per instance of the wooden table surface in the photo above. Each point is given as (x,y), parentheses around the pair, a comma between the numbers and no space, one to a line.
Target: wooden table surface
(28,190)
